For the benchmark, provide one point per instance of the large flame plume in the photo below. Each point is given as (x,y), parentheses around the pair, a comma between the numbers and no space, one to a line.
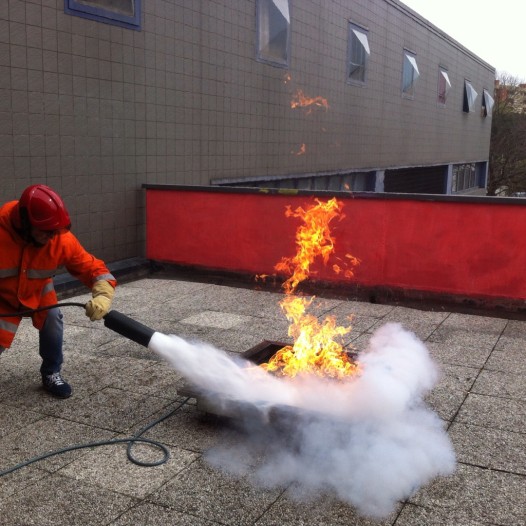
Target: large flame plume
(315,349)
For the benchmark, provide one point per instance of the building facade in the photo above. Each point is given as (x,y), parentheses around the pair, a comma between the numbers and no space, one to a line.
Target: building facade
(98,97)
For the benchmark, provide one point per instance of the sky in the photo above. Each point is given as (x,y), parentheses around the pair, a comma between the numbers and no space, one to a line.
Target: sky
(493,31)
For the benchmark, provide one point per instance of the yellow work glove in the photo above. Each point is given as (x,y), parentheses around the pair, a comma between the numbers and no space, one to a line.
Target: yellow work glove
(100,305)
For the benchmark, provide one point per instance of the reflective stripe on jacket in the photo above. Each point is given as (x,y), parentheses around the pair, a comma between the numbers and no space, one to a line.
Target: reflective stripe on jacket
(26,272)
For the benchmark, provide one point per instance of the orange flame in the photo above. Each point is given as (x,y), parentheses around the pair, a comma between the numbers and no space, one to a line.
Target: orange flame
(300,100)
(301,151)
(315,350)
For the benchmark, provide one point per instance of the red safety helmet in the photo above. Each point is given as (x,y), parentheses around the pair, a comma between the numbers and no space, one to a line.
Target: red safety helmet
(43,208)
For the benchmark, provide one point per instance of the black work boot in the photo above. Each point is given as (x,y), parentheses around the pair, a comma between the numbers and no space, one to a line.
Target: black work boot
(56,385)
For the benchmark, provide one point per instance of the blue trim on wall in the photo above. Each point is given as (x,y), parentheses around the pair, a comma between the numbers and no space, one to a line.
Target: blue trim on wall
(74,7)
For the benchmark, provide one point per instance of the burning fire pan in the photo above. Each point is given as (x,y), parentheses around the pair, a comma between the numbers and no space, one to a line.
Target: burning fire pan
(218,404)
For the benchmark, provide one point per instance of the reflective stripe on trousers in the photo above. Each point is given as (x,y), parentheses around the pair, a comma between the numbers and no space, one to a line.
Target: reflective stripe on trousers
(8,326)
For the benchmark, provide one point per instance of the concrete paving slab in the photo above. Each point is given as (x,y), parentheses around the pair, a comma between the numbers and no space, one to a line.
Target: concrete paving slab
(126,349)
(29,394)
(347,313)
(455,353)
(507,384)
(190,429)
(153,379)
(47,435)
(473,323)
(107,467)
(511,344)
(235,340)
(412,515)
(406,316)
(60,501)
(218,320)
(421,328)
(449,394)
(209,494)
(477,494)
(13,418)
(324,511)
(121,387)
(80,339)
(508,360)
(488,447)
(18,481)
(494,412)
(464,338)
(155,515)
(264,304)
(515,329)
(374,310)
(89,373)
(109,408)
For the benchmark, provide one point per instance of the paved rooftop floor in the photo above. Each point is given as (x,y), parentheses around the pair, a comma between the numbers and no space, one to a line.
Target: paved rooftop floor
(120,387)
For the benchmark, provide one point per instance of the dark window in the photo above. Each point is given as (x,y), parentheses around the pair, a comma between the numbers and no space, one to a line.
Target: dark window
(410,74)
(358,54)
(273,31)
(444,85)
(470,96)
(464,177)
(422,180)
(487,103)
(350,182)
(124,13)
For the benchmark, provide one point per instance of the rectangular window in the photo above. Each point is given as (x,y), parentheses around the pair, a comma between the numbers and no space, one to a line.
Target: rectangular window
(444,85)
(487,103)
(124,13)
(273,31)
(464,177)
(358,54)
(470,96)
(410,74)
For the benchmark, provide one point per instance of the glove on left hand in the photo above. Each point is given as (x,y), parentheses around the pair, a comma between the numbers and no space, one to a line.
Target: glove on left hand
(100,305)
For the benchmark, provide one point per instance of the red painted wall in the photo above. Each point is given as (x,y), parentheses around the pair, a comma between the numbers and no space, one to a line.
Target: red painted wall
(460,248)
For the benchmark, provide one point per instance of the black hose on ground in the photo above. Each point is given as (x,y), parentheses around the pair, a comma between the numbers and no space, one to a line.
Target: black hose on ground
(131,441)
(138,333)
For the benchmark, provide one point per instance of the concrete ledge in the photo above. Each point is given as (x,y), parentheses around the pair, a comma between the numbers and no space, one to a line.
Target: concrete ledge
(509,308)
(124,270)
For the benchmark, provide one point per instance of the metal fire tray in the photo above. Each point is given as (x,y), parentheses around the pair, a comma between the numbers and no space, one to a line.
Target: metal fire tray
(217,404)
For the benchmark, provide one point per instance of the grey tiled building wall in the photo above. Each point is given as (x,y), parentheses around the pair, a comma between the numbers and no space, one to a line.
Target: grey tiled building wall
(96,110)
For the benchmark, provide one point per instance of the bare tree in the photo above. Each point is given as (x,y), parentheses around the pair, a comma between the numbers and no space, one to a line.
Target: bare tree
(507,160)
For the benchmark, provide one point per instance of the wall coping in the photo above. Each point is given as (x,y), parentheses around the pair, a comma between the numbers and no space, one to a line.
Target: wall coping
(489,200)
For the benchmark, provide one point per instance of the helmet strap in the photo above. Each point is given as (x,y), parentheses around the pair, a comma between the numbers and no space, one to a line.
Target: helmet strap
(25,230)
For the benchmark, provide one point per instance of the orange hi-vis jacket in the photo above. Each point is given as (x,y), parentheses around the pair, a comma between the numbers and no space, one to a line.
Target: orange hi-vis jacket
(26,272)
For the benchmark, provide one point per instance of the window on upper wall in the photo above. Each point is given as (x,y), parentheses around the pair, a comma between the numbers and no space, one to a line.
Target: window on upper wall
(444,85)
(410,74)
(470,96)
(273,31)
(358,54)
(124,13)
(487,103)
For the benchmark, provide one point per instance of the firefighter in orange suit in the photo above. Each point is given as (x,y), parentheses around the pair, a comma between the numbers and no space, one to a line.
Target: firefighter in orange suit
(35,240)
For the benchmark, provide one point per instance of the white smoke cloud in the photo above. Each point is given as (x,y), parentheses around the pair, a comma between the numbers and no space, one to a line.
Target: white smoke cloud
(369,440)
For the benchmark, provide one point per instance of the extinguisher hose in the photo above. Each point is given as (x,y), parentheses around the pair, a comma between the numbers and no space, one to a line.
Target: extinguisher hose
(114,320)
(28,312)
(138,333)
